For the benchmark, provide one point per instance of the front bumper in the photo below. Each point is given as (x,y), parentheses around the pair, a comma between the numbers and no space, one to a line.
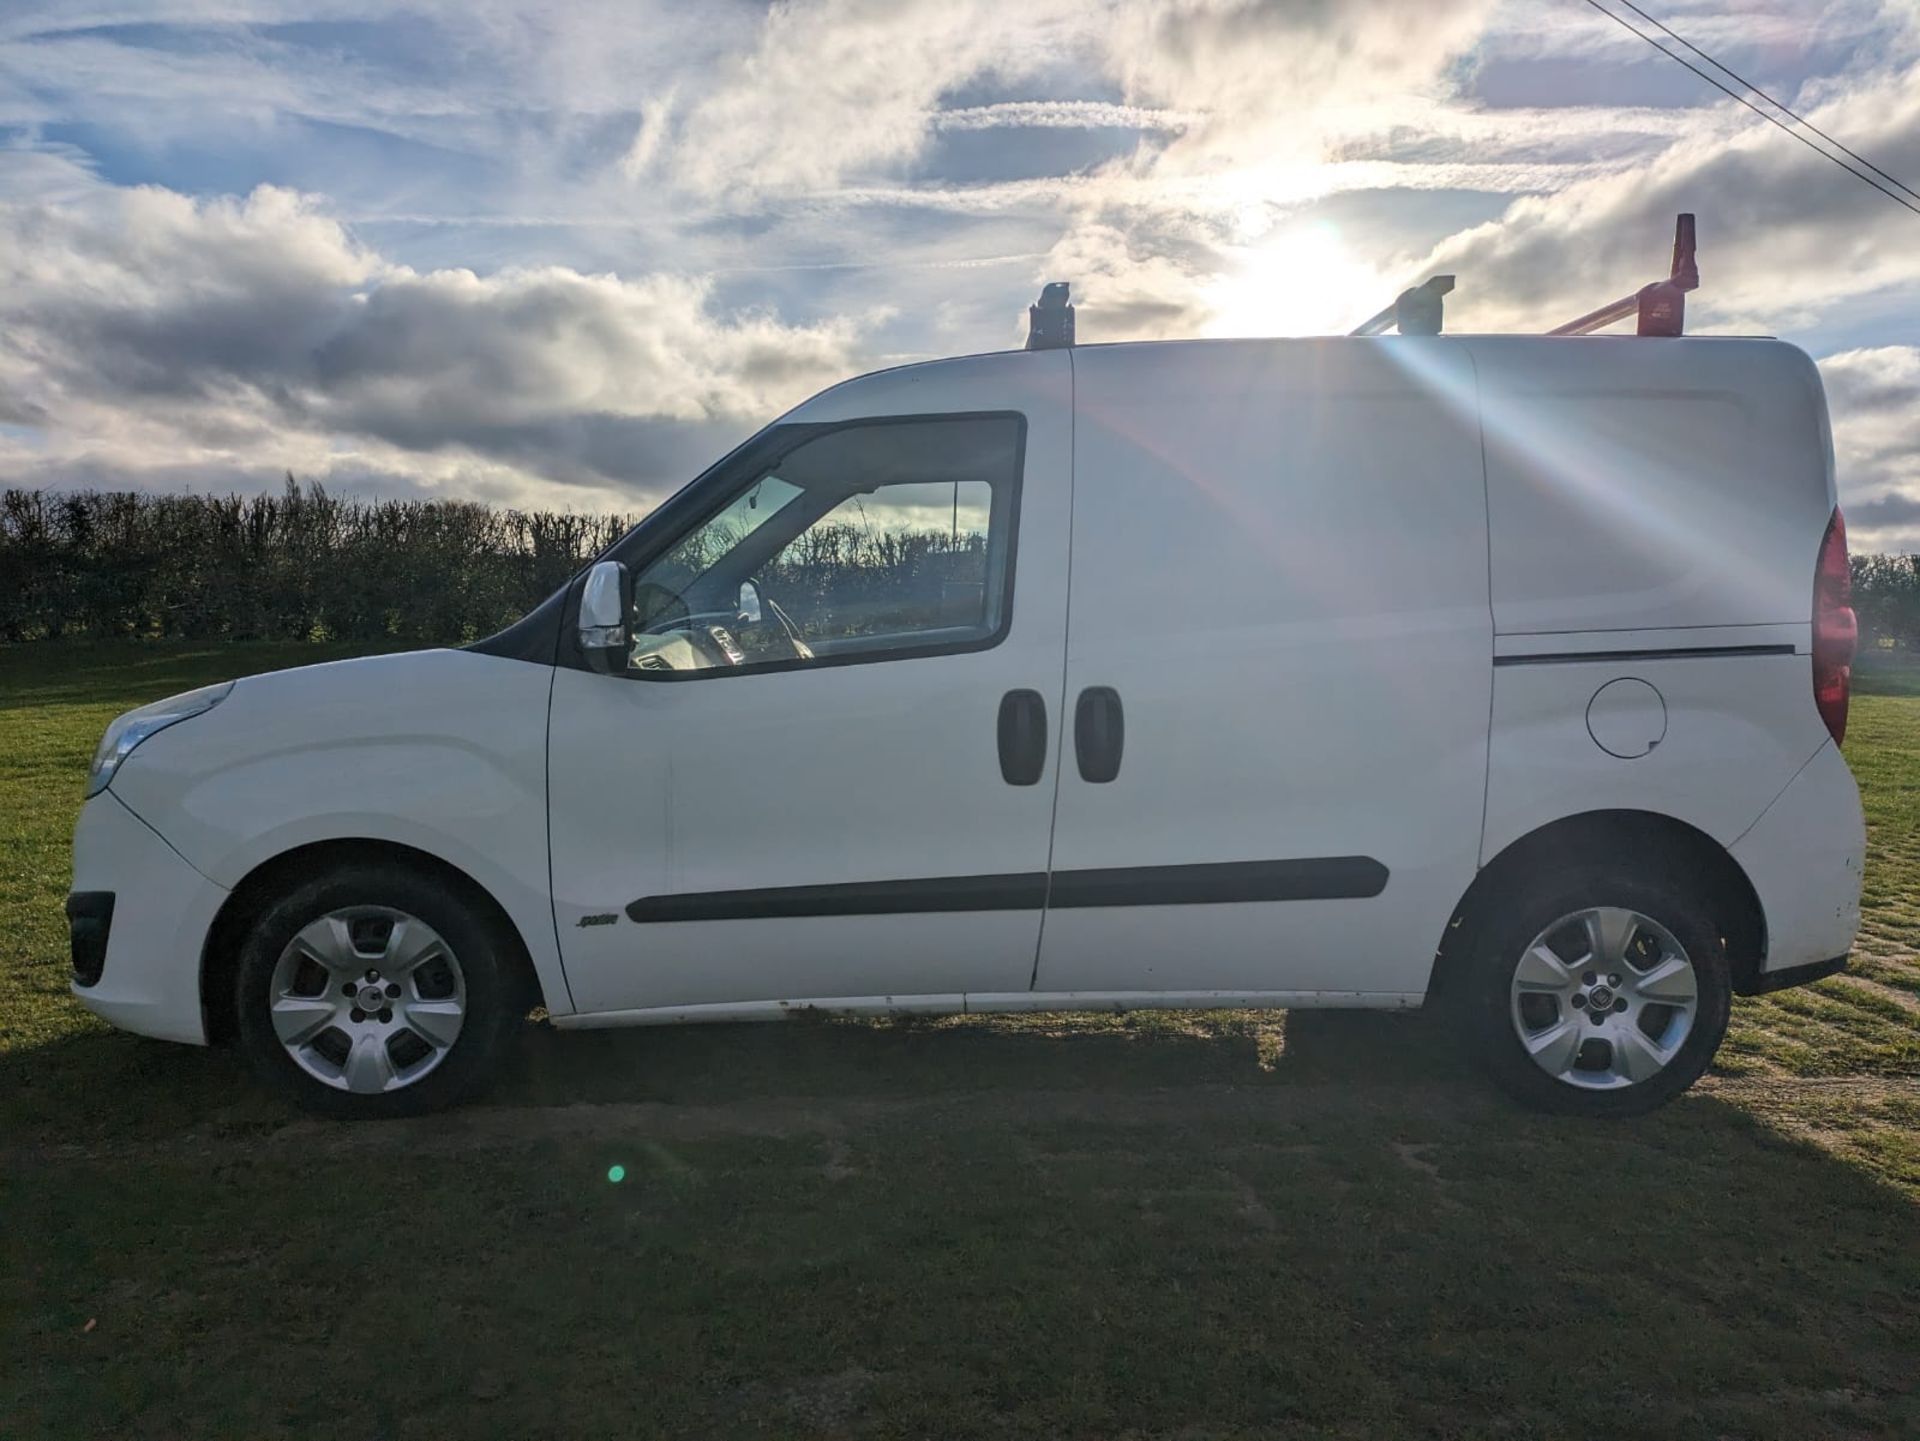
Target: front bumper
(162,908)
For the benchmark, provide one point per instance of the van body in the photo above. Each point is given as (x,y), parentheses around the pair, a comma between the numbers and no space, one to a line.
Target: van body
(1502,671)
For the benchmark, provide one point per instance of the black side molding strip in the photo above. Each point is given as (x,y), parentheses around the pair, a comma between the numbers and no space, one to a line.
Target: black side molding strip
(1023,891)
(1323,878)
(1698,652)
(1320,878)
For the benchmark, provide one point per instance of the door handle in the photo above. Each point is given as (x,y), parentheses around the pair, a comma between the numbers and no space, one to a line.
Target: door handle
(1099,733)
(1023,737)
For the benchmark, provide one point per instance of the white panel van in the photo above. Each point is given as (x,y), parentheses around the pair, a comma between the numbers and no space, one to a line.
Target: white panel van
(1505,674)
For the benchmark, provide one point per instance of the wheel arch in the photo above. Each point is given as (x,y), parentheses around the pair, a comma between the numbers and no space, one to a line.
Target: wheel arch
(271,878)
(1606,835)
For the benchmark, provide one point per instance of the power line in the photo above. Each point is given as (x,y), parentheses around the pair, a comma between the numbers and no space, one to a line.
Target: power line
(1772,120)
(1801,119)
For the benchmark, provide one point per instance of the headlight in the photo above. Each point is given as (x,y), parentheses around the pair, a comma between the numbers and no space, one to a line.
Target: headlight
(136,725)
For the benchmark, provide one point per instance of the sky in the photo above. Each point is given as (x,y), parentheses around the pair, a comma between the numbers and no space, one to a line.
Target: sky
(566,254)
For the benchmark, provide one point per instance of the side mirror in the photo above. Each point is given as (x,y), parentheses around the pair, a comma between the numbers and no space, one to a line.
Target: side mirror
(749,602)
(603,617)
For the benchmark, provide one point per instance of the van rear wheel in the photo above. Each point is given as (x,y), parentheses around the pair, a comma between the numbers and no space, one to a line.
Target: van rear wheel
(1598,994)
(369,992)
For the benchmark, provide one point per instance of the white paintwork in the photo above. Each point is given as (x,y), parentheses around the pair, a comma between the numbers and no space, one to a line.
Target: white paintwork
(1297,561)
(440,750)
(991,1003)
(885,771)
(1641,486)
(1736,732)
(1280,563)
(1804,857)
(162,908)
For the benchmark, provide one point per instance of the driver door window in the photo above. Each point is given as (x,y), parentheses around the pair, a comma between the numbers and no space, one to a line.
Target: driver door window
(870,542)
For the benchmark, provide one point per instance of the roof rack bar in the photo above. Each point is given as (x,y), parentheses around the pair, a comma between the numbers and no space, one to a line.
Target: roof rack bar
(1599,319)
(1661,306)
(1417,311)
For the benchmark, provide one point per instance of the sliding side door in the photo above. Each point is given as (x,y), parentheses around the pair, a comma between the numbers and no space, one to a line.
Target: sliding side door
(1278,668)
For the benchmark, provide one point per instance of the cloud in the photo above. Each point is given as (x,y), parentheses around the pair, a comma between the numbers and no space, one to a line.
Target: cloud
(834,88)
(839,97)
(663,207)
(1278,95)
(1064,115)
(256,334)
(1550,29)
(1140,279)
(1278,77)
(1782,232)
(1874,395)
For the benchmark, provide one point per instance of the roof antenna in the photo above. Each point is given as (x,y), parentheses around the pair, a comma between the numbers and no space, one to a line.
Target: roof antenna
(1050,320)
(1661,306)
(1413,312)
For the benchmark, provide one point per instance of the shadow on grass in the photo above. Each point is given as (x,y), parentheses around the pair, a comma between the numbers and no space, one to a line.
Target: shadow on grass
(918,1057)
(111,1086)
(1878,673)
(1311,1225)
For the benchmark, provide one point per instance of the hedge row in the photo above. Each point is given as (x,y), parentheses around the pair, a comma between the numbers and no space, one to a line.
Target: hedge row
(308,565)
(1886,596)
(300,565)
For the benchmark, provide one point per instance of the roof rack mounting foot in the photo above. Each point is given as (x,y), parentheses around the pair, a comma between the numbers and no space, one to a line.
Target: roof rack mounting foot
(1417,311)
(1050,319)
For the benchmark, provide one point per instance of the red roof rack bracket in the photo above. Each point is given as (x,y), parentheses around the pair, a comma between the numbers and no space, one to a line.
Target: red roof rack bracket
(1661,306)
(1685,272)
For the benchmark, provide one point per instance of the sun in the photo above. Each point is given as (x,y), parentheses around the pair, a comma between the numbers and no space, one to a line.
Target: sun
(1296,280)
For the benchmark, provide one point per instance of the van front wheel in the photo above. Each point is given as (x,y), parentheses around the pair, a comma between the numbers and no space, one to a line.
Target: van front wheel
(369,992)
(1600,995)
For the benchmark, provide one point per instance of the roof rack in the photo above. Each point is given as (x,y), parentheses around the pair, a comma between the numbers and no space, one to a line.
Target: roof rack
(1662,306)
(1417,311)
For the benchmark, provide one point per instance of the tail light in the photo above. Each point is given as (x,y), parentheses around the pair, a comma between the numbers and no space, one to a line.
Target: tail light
(1836,633)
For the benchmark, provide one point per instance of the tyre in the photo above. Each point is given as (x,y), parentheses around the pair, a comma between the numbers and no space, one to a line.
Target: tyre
(371,992)
(1598,994)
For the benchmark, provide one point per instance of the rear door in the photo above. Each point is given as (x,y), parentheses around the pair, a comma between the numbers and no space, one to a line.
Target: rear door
(1278,668)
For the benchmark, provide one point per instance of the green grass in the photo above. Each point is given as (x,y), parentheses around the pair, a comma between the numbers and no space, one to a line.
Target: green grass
(1203,1226)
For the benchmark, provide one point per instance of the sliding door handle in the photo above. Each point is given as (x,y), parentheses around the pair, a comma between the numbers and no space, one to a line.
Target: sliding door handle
(1023,737)
(1099,733)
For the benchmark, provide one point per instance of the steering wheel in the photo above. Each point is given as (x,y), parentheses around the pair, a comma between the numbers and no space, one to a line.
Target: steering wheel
(711,632)
(801,651)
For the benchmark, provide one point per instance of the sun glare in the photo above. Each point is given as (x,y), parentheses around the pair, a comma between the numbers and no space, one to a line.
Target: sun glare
(1297,280)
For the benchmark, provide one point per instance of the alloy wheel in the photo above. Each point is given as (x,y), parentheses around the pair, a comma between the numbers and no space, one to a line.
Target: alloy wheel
(1604,998)
(367,999)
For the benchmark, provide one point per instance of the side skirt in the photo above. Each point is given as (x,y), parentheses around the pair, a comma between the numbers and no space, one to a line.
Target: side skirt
(993,1002)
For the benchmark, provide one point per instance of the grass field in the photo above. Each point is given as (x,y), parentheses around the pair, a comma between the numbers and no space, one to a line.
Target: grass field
(1201,1226)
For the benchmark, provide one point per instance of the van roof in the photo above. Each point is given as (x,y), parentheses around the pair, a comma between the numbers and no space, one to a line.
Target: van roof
(1625,346)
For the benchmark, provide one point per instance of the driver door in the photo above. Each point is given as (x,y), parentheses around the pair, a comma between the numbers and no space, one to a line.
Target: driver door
(796,789)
